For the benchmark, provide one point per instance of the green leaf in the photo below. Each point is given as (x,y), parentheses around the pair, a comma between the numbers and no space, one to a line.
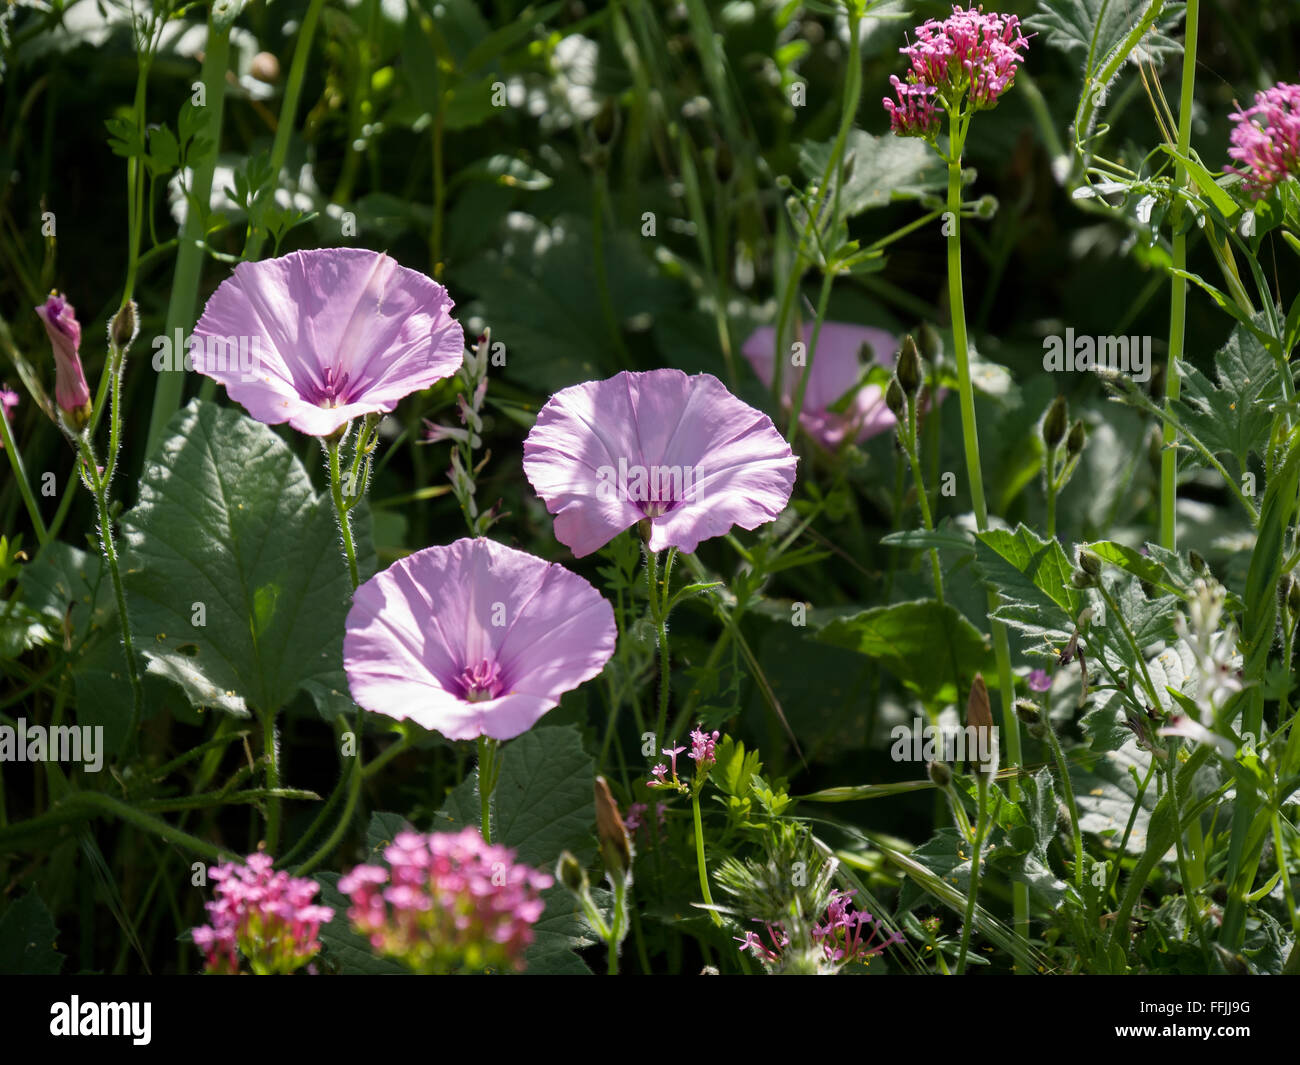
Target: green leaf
(1033,577)
(228,519)
(883,170)
(27,936)
(1232,415)
(929,646)
(1069,25)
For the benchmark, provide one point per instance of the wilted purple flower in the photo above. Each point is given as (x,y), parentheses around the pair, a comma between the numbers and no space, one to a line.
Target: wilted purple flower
(70,390)
(334,333)
(446,903)
(268,917)
(843,353)
(970,56)
(1266,139)
(474,639)
(680,453)
(1039,681)
(702,748)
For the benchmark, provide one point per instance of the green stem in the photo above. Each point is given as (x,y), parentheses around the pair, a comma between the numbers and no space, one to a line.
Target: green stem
(99,487)
(189,254)
(661,630)
(20,474)
(288,110)
(970,441)
(272,782)
(700,863)
(341,509)
(1178,288)
(345,819)
(922,495)
(975,865)
(488,768)
(1068,788)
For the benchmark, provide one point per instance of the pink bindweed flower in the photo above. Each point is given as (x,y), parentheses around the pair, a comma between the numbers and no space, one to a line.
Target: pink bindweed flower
(446,903)
(8,402)
(702,748)
(474,639)
(1039,681)
(836,371)
(969,59)
(335,333)
(268,917)
(1266,139)
(680,453)
(71,392)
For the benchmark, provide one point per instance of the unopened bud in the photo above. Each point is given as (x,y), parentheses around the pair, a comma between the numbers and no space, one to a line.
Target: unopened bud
(1197,561)
(986,207)
(1080,579)
(125,325)
(265,67)
(979,715)
(1028,712)
(908,369)
(1055,422)
(939,773)
(615,848)
(570,873)
(1077,438)
(1090,563)
(895,400)
(1293,599)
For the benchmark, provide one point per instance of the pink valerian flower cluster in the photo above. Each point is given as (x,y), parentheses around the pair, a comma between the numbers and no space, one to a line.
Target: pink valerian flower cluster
(702,753)
(848,935)
(702,748)
(915,114)
(447,902)
(1266,139)
(268,917)
(971,56)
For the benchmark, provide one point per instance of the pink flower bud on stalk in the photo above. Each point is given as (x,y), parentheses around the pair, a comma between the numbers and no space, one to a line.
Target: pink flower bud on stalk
(70,389)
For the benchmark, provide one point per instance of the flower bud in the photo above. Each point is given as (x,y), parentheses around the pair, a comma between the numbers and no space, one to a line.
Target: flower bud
(1055,422)
(265,67)
(1080,579)
(979,716)
(1028,712)
(570,873)
(986,207)
(1197,561)
(939,773)
(124,327)
(1090,563)
(908,370)
(615,848)
(1293,598)
(895,400)
(1077,438)
(70,389)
